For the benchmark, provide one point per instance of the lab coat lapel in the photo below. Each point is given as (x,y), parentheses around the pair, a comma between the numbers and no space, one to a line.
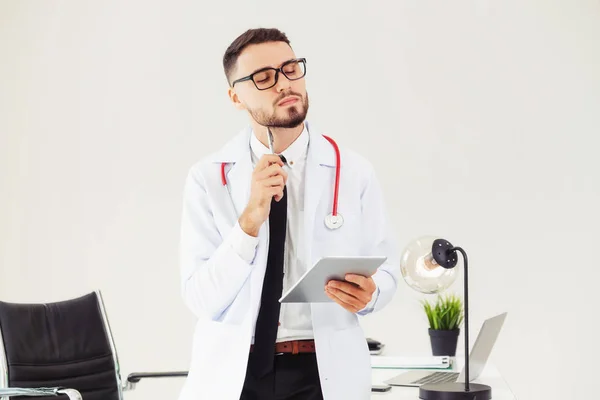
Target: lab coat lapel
(319,172)
(238,171)
(239,179)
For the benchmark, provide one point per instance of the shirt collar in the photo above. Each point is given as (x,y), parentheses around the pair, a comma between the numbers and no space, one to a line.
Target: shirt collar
(293,154)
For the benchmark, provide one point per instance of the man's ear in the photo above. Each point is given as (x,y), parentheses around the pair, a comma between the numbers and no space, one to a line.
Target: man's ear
(235,99)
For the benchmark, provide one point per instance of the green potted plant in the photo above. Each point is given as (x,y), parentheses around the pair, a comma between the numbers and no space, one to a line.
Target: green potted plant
(445,319)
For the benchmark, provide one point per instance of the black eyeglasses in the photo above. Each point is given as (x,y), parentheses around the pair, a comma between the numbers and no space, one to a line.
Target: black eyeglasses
(266,78)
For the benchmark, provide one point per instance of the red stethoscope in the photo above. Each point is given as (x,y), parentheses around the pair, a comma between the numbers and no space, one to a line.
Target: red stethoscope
(333,220)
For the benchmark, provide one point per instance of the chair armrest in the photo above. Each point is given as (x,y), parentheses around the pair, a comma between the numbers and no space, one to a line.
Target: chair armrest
(135,377)
(43,391)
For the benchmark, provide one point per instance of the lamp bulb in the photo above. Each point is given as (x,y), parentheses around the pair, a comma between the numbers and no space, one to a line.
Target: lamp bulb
(420,270)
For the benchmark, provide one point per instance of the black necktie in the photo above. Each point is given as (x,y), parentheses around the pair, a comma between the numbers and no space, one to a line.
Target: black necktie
(265,334)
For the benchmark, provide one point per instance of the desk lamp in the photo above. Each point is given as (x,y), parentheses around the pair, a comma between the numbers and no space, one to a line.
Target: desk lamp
(427,265)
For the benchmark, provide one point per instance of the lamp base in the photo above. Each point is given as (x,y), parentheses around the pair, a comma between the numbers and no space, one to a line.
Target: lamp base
(454,391)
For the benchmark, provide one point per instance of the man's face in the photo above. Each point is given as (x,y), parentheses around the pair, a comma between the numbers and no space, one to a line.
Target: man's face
(285,104)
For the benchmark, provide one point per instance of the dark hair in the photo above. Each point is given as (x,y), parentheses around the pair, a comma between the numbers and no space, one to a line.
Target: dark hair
(251,36)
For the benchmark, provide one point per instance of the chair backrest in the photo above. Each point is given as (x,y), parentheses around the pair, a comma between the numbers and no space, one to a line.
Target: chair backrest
(66,343)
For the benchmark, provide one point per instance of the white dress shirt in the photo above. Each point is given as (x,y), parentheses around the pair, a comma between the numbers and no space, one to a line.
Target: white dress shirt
(295,318)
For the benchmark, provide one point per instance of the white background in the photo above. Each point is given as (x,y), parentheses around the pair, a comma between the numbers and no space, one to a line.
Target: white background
(482,119)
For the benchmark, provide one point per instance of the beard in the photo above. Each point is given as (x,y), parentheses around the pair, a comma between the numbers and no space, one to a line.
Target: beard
(292,116)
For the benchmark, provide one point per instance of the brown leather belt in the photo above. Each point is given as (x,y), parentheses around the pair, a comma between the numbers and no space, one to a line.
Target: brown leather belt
(293,347)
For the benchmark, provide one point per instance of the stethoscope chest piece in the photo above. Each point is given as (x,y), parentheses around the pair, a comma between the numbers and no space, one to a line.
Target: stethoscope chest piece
(334,221)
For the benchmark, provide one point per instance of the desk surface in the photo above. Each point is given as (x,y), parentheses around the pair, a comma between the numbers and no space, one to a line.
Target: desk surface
(490,376)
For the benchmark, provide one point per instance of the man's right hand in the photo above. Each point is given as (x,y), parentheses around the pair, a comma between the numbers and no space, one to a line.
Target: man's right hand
(268,181)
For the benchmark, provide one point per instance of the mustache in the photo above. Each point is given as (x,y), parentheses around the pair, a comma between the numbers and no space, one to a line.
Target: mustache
(284,95)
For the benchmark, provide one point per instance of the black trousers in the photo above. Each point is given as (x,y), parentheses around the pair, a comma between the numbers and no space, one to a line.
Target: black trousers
(294,377)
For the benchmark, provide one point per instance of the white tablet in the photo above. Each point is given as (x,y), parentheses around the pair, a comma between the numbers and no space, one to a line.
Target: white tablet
(310,288)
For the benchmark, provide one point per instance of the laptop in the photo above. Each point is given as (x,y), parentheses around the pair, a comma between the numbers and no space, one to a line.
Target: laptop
(477,359)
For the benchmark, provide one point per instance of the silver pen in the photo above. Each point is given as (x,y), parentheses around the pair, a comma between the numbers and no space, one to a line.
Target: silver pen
(270,139)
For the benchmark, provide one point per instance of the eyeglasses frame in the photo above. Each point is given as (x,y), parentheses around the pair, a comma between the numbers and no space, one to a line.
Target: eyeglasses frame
(277,71)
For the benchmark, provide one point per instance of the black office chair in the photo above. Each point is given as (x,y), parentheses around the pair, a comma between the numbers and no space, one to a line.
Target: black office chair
(62,350)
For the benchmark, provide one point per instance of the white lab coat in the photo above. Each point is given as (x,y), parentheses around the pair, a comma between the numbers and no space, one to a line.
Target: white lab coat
(224,291)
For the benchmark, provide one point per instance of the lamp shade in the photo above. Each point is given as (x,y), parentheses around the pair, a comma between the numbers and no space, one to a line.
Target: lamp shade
(420,269)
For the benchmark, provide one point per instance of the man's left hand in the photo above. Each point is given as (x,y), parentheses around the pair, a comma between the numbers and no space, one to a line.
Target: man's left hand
(354,293)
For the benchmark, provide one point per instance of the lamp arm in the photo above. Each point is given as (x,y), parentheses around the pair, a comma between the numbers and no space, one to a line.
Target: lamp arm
(466,295)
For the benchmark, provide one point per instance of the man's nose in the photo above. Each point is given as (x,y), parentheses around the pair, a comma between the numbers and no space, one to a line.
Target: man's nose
(283,83)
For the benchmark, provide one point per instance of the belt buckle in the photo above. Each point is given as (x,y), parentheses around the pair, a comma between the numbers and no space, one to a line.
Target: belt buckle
(276,352)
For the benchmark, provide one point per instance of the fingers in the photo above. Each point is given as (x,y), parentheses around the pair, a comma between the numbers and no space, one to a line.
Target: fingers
(270,171)
(274,181)
(268,183)
(358,279)
(276,192)
(272,178)
(351,295)
(267,160)
(350,303)
(274,186)
(270,165)
(365,282)
(347,288)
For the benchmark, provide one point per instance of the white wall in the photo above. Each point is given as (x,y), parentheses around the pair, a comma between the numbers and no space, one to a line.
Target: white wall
(481,117)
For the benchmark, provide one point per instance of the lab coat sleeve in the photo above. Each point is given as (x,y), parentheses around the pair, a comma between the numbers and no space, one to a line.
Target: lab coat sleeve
(379,239)
(213,268)
(369,308)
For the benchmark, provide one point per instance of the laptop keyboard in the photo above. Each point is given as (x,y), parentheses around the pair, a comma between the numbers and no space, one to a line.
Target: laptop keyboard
(438,377)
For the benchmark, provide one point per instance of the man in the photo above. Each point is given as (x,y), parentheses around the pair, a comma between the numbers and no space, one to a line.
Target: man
(253,222)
